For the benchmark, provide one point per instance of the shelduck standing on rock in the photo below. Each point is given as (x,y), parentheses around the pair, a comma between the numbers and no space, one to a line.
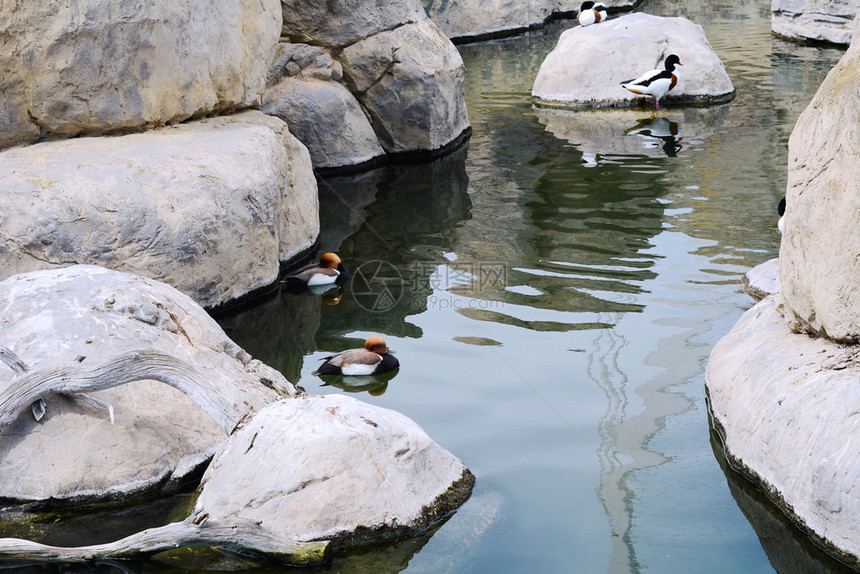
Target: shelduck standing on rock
(328,271)
(373,359)
(591,13)
(657,82)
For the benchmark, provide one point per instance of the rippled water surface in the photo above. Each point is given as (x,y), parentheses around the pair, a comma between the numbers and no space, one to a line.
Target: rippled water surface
(554,289)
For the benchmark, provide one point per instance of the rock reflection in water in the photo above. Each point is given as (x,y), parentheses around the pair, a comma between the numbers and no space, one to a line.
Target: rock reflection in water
(393,242)
(608,132)
(390,226)
(279,331)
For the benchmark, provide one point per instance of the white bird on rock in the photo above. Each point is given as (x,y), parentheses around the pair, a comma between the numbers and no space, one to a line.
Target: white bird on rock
(657,82)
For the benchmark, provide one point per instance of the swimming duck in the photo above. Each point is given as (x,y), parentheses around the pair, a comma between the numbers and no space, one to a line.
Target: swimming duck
(780,209)
(328,271)
(373,359)
(591,13)
(655,83)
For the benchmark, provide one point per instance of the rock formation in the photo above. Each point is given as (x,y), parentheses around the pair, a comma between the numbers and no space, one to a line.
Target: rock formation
(211,206)
(819,265)
(283,481)
(783,405)
(819,20)
(783,383)
(403,75)
(626,47)
(95,67)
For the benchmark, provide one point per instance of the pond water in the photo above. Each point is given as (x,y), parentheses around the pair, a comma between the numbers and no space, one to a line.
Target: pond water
(552,291)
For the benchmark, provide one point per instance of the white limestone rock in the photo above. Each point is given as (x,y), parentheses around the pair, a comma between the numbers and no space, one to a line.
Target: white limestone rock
(411,82)
(333,468)
(99,66)
(786,405)
(819,264)
(763,279)
(626,47)
(820,20)
(473,19)
(211,207)
(86,315)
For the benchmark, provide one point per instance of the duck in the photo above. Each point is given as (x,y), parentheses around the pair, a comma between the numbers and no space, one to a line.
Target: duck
(657,82)
(373,359)
(780,209)
(328,271)
(591,13)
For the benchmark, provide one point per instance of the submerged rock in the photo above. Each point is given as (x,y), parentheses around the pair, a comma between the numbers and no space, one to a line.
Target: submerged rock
(819,266)
(97,67)
(211,207)
(785,406)
(820,20)
(84,316)
(625,48)
(333,468)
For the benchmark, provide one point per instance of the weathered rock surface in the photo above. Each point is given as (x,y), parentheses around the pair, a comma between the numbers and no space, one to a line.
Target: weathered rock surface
(319,110)
(763,280)
(819,267)
(95,67)
(411,81)
(627,47)
(784,403)
(85,316)
(211,206)
(469,19)
(819,20)
(407,76)
(333,468)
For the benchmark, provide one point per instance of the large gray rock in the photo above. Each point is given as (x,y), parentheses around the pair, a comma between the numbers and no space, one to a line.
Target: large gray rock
(820,20)
(819,267)
(318,109)
(411,81)
(407,76)
(625,48)
(786,406)
(333,468)
(98,66)
(86,315)
(211,207)
(468,19)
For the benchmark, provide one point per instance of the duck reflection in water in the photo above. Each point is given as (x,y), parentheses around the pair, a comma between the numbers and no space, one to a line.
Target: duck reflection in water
(658,132)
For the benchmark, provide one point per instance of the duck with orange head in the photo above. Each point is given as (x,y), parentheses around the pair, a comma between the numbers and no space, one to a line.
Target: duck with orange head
(328,271)
(373,359)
